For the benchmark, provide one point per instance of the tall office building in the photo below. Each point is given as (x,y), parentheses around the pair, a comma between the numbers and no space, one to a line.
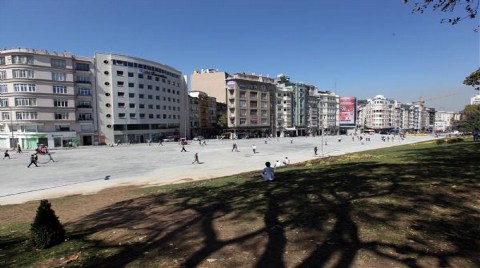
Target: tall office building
(46,97)
(139,100)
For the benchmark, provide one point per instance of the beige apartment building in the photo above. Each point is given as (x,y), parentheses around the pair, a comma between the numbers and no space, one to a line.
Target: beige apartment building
(212,82)
(47,98)
(203,115)
(139,100)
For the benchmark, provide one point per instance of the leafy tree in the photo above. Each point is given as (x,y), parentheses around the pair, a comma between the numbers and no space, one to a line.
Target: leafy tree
(473,80)
(470,118)
(222,122)
(46,229)
(470,6)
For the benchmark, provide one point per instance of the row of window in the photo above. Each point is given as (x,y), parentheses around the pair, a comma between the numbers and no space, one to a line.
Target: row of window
(143,67)
(121,94)
(148,77)
(150,106)
(150,87)
(150,116)
(34,116)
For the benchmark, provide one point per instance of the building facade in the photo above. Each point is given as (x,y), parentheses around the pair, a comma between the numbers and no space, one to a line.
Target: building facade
(203,115)
(212,82)
(251,105)
(46,97)
(139,100)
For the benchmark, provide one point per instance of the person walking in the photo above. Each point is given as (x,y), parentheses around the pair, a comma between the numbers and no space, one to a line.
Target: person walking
(268,174)
(183,148)
(19,148)
(196,159)
(315,149)
(254,148)
(6,154)
(233,147)
(286,161)
(50,157)
(33,160)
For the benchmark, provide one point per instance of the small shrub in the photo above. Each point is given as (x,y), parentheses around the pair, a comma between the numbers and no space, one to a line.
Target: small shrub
(46,229)
(440,141)
(454,140)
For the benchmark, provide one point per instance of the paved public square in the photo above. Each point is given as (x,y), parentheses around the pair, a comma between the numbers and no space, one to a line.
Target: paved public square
(84,170)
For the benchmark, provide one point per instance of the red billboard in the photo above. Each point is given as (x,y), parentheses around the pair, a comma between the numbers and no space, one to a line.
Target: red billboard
(347,110)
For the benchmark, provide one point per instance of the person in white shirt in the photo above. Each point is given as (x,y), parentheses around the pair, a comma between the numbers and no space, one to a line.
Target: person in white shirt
(286,161)
(277,164)
(268,174)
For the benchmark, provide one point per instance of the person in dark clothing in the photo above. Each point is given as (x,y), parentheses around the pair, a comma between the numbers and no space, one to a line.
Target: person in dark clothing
(196,159)
(33,160)
(6,154)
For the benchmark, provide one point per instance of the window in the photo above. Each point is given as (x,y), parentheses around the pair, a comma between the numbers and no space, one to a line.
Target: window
(82,66)
(130,74)
(25,102)
(119,73)
(150,115)
(86,127)
(60,103)
(83,79)
(121,115)
(131,105)
(243,103)
(23,73)
(131,95)
(84,92)
(253,95)
(150,106)
(264,104)
(141,96)
(59,76)
(120,83)
(84,104)
(140,75)
(157,97)
(61,116)
(133,115)
(140,85)
(22,59)
(24,88)
(59,90)
(3,75)
(141,106)
(243,112)
(242,121)
(5,115)
(3,88)
(26,115)
(149,87)
(59,63)
(131,84)
(85,117)
(150,97)
(121,94)
(3,102)
(149,77)
(142,116)
(121,105)
(2,60)
(62,127)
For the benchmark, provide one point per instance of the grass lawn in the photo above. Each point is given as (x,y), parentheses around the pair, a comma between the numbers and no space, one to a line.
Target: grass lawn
(407,206)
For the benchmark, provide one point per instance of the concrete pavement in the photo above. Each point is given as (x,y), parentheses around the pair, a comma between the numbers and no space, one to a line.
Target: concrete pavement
(84,170)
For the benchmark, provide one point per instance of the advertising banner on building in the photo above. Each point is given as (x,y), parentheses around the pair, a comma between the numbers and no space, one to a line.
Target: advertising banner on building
(347,111)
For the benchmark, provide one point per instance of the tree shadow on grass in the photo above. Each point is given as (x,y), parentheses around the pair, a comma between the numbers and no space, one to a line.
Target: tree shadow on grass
(406,212)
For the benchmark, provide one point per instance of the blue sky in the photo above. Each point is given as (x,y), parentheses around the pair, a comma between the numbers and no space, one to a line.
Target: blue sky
(353,47)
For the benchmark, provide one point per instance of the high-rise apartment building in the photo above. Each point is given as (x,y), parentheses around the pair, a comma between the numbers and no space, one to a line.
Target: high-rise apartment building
(139,100)
(46,97)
